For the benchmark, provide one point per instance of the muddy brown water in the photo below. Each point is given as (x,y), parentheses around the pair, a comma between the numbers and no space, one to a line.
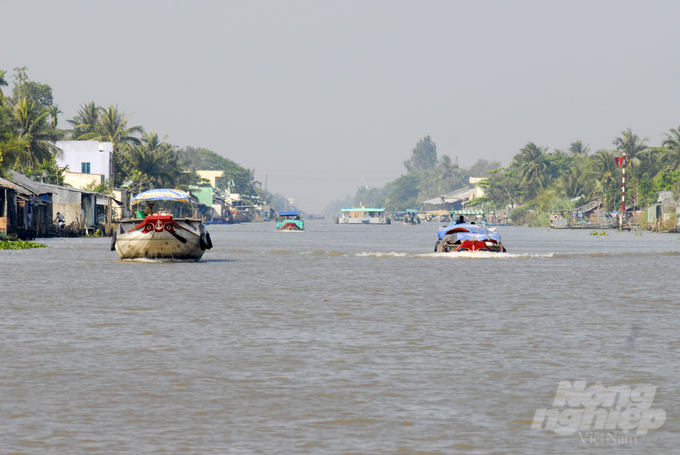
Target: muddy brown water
(340,339)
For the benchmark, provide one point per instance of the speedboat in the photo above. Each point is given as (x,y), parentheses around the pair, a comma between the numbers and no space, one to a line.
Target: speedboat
(363,215)
(290,221)
(171,232)
(468,237)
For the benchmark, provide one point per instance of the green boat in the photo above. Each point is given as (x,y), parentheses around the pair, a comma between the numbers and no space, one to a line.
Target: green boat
(290,221)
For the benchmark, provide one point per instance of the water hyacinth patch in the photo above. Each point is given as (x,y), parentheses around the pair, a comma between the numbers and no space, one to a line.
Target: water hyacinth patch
(19,245)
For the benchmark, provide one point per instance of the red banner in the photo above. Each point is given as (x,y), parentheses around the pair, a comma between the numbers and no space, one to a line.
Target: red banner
(619,161)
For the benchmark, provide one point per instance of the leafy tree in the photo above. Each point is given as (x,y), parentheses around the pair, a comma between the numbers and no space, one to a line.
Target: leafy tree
(48,171)
(203,159)
(40,94)
(403,193)
(481,167)
(423,156)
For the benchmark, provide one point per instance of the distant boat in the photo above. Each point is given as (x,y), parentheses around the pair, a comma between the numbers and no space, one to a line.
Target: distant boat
(163,234)
(411,217)
(363,215)
(290,221)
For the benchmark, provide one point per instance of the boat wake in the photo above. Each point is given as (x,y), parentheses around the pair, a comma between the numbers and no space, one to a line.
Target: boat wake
(394,254)
(483,255)
(161,261)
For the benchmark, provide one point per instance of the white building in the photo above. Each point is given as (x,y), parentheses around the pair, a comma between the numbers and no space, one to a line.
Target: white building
(87,161)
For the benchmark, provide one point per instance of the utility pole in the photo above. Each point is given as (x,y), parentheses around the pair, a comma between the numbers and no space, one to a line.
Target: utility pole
(265,183)
(623,186)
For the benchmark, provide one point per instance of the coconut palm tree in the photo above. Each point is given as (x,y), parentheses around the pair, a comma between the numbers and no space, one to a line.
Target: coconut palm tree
(632,145)
(3,83)
(533,162)
(29,122)
(155,161)
(54,112)
(112,127)
(85,121)
(575,182)
(671,145)
(577,148)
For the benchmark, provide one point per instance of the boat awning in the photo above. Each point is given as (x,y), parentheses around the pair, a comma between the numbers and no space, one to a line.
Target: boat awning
(362,209)
(289,213)
(162,195)
(472,230)
(452,197)
(467,212)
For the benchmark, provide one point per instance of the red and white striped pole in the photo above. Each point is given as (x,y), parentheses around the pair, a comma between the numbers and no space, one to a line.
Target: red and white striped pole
(623,185)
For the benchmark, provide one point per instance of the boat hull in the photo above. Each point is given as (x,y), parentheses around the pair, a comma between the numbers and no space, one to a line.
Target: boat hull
(161,237)
(364,221)
(290,225)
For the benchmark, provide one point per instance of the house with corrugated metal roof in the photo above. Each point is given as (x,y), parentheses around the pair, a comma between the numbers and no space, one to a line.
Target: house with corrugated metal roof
(79,207)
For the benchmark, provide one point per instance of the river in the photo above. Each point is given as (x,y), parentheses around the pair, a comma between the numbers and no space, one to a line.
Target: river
(340,339)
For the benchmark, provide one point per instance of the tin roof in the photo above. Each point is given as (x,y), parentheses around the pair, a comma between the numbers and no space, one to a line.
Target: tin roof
(4,183)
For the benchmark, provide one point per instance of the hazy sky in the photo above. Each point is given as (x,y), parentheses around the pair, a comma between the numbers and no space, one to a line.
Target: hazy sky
(318,94)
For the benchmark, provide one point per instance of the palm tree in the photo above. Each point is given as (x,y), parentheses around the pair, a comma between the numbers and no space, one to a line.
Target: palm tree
(155,161)
(3,83)
(54,112)
(577,148)
(671,144)
(29,123)
(533,162)
(86,120)
(632,145)
(575,182)
(112,127)
(607,173)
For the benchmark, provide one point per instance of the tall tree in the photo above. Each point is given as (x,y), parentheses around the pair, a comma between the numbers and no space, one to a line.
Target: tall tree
(154,162)
(112,127)
(54,113)
(40,94)
(3,83)
(607,173)
(533,162)
(423,156)
(632,145)
(671,154)
(575,182)
(578,148)
(29,122)
(86,120)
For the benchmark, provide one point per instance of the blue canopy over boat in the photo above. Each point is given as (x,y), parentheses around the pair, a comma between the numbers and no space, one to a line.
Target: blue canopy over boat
(162,195)
(289,213)
(466,231)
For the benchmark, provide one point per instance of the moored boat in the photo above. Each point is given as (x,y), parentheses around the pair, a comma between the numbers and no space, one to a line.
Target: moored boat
(411,217)
(171,232)
(290,222)
(363,215)
(468,237)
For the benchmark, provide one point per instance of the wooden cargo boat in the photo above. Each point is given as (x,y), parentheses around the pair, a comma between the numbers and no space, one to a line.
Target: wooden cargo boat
(162,234)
